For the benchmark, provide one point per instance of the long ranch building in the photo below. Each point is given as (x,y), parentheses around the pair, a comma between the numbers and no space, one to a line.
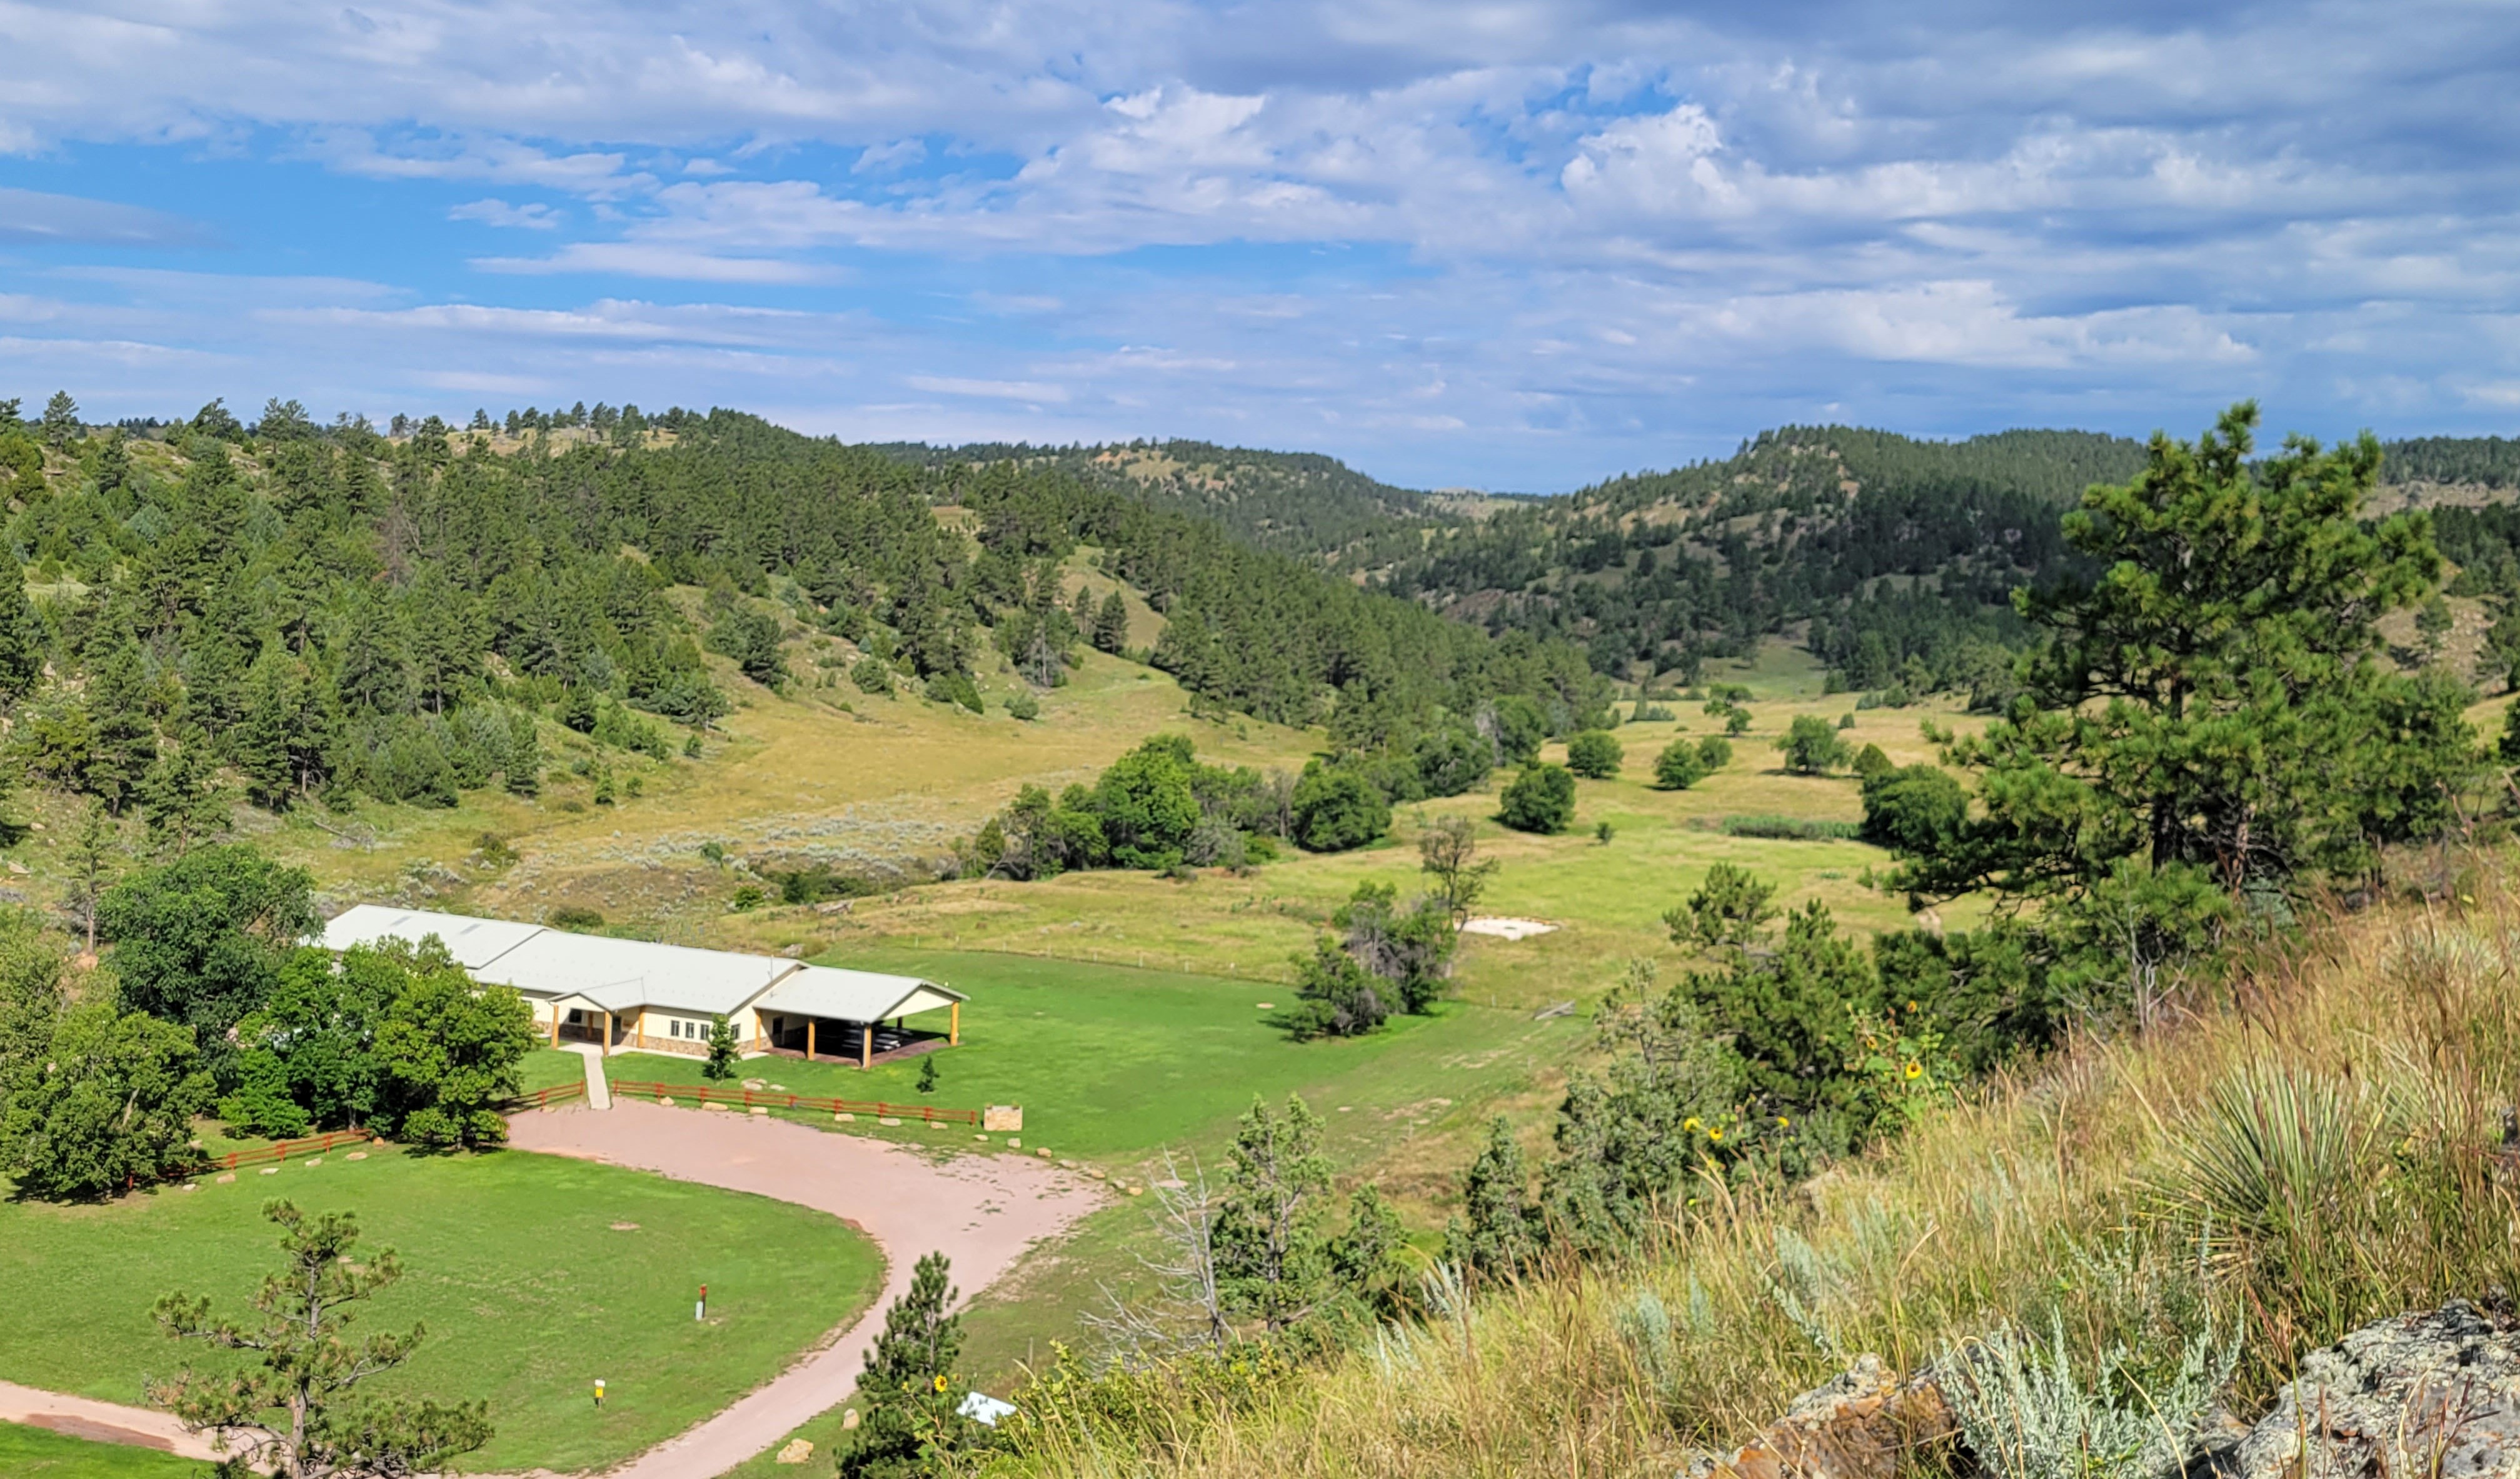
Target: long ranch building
(633,995)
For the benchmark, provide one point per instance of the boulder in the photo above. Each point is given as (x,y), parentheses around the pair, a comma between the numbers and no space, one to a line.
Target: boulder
(798,1451)
(999,1120)
(2435,1394)
(1867,1423)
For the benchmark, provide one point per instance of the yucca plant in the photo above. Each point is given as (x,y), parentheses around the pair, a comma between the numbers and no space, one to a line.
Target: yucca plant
(2274,1145)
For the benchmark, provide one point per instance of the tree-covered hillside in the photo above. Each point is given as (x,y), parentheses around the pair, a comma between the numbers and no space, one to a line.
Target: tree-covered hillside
(1892,559)
(1297,503)
(330,610)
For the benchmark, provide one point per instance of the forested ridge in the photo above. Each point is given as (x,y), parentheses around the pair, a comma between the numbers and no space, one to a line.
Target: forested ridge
(1296,503)
(333,611)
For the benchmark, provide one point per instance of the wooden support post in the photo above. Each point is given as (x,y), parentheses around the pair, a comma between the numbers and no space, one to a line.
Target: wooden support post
(866,1046)
(809,1038)
(606,1046)
(638,1034)
(554,1025)
(954,1031)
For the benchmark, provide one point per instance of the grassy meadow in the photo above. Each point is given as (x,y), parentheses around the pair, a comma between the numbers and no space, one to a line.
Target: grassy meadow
(536,1275)
(32,1453)
(2309,1146)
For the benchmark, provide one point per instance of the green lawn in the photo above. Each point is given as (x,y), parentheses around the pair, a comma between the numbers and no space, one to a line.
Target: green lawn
(1112,1062)
(515,1261)
(550,1067)
(27,1453)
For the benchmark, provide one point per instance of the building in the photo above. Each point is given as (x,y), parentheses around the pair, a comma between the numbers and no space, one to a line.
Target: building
(633,995)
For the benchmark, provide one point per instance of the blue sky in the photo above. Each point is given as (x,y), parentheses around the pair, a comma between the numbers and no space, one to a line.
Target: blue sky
(1508,244)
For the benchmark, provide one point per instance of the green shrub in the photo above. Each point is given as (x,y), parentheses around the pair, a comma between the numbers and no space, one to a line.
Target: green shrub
(1594,755)
(871,675)
(1024,706)
(1679,766)
(1810,747)
(1714,752)
(1335,809)
(1791,828)
(748,898)
(576,916)
(1542,799)
(956,688)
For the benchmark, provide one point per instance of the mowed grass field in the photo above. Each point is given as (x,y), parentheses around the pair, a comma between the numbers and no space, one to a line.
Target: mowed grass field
(535,1276)
(31,1453)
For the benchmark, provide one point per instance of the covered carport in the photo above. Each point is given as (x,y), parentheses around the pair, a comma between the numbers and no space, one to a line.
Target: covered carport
(821,1011)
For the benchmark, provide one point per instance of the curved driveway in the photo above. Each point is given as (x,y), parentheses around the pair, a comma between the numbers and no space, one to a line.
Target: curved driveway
(981,1211)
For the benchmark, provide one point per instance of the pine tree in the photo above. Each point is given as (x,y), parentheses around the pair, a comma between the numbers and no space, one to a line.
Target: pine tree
(22,633)
(1111,625)
(181,798)
(94,861)
(910,1388)
(259,745)
(1272,1260)
(722,1050)
(524,762)
(1500,1233)
(60,421)
(122,735)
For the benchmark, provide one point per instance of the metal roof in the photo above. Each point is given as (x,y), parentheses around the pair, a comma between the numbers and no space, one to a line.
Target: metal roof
(855,996)
(475,943)
(623,975)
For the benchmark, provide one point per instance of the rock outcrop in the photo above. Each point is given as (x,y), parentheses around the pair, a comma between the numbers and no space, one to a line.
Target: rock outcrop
(2435,1394)
(1867,1423)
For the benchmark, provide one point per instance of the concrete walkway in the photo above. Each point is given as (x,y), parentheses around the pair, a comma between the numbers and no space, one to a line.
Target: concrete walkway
(100,1422)
(599,1089)
(981,1211)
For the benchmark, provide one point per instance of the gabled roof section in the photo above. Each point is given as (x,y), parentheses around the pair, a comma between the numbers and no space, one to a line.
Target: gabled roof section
(855,996)
(618,974)
(475,943)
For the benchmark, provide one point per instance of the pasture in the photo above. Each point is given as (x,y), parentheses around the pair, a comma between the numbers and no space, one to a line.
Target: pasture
(534,1275)
(32,1453)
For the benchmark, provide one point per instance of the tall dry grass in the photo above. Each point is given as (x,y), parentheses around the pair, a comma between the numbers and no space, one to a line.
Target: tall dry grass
(2315,1147)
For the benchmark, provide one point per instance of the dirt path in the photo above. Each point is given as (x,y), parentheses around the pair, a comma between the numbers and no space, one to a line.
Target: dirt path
(100,1422)
(982,1211)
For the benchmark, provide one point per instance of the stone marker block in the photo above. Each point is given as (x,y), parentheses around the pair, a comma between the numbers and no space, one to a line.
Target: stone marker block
(357,1156)
(711,1104)
(888,1120)
(849,1420)
(227,1178)
(317,1161)
(271,1170)
(1014,1143)
(192,1185)
(845,1118)
(758,1109)
(982,1138)
(1002,1118)
(1043,1152)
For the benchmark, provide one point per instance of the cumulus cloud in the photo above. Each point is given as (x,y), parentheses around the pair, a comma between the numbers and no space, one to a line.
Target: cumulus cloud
(1466,244)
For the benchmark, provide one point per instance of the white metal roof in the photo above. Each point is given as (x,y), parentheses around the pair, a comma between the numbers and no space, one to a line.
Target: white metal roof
(623,975)
(615,974)
(475,943)
(855,996)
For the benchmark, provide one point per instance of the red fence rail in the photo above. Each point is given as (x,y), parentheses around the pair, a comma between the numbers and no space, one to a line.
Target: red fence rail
(282,1151)
(769,1100)
(543,1098)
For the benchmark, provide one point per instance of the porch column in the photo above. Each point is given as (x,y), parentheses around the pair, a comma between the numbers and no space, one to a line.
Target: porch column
(606,1045)
(809,1038)
(865,1045)
(555,1008)
(953,1027)
(639,1033)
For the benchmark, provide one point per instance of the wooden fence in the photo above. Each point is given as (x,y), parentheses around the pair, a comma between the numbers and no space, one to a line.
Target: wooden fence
(283,1149)
(708,1094)
(543,1098)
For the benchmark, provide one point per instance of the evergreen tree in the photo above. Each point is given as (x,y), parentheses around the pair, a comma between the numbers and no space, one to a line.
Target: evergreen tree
(21,634)
(122,735)
(910,1388)
(524,766)
(1111,624)
(723,1048)
(60,421)
(181,798)
(1500,1232)
(1272,1259)
(95,858)
(292,1411)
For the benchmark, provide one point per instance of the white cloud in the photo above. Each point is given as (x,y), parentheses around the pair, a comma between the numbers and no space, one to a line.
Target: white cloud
(990,389)
(534,215)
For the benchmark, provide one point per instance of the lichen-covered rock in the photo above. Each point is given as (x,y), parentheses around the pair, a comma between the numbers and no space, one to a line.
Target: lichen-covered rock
(2436,1394)
(1867,1423)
